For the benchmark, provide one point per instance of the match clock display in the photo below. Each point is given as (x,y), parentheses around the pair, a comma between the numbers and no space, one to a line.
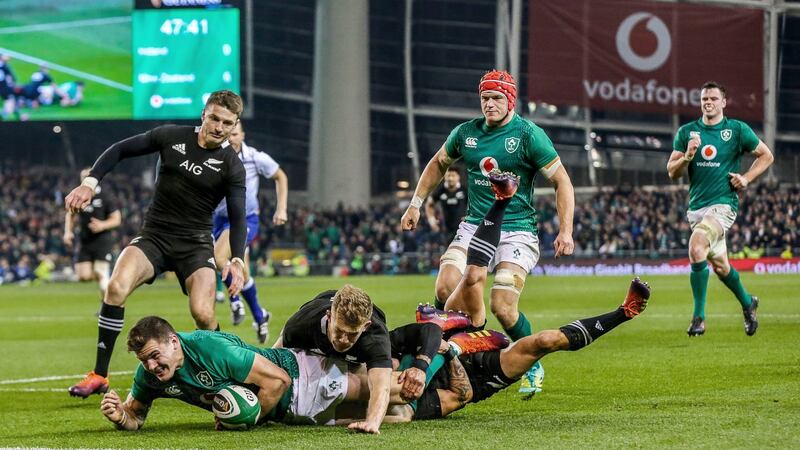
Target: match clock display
(180,56)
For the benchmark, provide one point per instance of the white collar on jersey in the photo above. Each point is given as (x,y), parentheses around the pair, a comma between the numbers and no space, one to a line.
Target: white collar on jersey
(224,144)
(324,324)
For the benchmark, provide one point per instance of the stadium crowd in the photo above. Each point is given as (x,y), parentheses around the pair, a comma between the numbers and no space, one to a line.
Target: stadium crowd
(614,223)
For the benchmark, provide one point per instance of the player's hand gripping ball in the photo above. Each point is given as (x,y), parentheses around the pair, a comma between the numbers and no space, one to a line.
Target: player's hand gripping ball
(236,407)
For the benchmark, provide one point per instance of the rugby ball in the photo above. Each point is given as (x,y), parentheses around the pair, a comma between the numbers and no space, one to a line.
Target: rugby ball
(236,407)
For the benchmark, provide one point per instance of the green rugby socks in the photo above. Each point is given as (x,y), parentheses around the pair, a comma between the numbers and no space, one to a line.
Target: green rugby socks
(698,278)
(733,283)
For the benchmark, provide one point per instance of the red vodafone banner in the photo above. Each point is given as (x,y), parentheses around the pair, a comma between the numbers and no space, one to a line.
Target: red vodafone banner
(645,56)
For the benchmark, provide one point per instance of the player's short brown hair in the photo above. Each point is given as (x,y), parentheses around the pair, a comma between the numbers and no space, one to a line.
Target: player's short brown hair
(228,100)
(352,305)
(146,329)
(715,85)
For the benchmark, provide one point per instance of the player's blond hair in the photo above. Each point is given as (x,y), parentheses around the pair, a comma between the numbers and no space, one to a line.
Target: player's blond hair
(146,329)
(352,305)
(228,100)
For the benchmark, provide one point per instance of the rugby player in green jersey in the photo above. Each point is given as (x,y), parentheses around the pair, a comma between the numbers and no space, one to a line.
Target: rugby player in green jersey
(499,139)
(710,150)
(293,386)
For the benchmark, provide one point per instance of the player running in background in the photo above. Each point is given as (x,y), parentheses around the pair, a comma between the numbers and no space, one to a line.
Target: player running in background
(198,168)
(499,139)
(256,164)
(96,239)
(452,198)
(710,151)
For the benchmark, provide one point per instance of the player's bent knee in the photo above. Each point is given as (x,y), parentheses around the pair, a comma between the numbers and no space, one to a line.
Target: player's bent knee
(443,292)
(549,341)
(475,275)
(698,253)
(117,292)
(83,276)
(204,318)
(455,258)
(508,280)
(506,311)
(720,270)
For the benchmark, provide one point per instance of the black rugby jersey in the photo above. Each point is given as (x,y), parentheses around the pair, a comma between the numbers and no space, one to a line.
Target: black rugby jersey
(191,182)
(307,330)
(101,207)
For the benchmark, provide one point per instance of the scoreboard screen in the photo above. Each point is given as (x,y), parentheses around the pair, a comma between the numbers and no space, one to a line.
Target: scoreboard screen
(180,56)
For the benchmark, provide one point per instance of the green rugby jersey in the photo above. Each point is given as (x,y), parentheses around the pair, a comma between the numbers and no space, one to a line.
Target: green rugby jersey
(720,152)
(212,360)
(520,147)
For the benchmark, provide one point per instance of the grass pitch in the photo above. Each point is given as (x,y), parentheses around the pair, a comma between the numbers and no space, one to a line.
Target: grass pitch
(645,384)
(47,30)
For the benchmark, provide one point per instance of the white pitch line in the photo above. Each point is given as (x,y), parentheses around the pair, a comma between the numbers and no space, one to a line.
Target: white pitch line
(87,317)
(44,390)
(56,377)
(62,25)
(59,67)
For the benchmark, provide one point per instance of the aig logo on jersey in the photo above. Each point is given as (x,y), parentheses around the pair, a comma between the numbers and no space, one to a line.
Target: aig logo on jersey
(708,152)
(726,134)
(471,142)
(512,144)
(192,167)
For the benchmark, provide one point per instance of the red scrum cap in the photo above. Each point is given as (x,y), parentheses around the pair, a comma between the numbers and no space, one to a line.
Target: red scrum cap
(502,82)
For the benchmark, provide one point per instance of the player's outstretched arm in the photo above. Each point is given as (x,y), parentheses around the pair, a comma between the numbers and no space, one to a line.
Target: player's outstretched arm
(565,205)
(763,160)
(379,379)
(238,232)
(68,225)
(430,178)
(128,416)
(131,147)
(272,381)
(282,194)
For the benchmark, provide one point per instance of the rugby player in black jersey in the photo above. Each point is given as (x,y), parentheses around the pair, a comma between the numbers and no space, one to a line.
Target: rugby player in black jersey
(198,169)
(345,324)
(95,237)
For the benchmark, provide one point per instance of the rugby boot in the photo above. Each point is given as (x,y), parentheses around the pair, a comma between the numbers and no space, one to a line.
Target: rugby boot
(697,327)
(750,319)
(504,184)
(237,312)
(262,328)
(532,381)
(636,300)
(447,320)
(479,341)
(91,384)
